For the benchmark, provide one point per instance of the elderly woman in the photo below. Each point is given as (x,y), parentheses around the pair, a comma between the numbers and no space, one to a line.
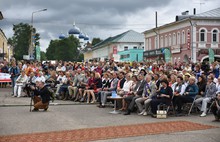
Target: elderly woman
(20,82)
(190,93)
(130,92)
(164,96)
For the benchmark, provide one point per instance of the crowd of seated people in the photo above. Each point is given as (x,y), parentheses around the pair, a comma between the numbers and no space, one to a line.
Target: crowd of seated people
(143,86)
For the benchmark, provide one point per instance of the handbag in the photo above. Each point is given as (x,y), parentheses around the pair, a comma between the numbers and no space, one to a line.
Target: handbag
(161,114)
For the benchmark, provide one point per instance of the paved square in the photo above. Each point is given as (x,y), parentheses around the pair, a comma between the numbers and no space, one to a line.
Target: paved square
(111,132)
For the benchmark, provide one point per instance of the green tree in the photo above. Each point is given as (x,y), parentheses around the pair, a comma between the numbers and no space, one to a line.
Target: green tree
(43,56)
(95,41)
(65,49)
(21,39)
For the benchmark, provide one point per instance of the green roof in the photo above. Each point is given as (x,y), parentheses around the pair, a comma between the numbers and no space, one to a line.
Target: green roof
(128,36)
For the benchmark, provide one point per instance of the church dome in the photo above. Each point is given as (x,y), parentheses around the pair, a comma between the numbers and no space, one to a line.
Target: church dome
(62,36)
(74,30)
(81,36)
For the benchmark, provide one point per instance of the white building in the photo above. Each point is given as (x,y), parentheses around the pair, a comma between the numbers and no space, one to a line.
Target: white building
(109,48)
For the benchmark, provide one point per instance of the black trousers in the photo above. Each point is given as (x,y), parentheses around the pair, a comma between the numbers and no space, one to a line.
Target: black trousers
(155,102)
(182,100)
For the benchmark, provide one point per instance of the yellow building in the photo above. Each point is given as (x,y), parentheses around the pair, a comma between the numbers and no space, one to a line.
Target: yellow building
(88,55)
(4,50)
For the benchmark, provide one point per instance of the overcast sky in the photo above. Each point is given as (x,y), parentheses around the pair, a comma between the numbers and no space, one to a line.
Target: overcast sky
(96,18)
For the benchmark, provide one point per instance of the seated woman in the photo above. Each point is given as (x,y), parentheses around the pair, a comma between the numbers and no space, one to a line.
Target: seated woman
(202,85)
(126,86)
(190,93)
(164,97)
(60,80)
(64,88)
(130,92)
(20,82)
(178,90)
(94,88)
(89,86)
(83,82)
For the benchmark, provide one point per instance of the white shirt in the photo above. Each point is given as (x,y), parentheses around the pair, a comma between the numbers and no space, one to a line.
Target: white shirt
(21,80)
(61,79)
(127,85)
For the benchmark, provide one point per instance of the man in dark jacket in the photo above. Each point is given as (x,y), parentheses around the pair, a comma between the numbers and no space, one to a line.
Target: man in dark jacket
(41,102)
(137,94)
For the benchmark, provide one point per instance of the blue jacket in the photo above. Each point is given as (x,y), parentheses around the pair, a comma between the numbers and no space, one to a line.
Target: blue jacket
(192,90)
(14,71)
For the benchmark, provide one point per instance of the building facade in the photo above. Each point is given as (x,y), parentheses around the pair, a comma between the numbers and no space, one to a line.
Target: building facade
(113,47)
(4,50)
(187,39)
(131,55)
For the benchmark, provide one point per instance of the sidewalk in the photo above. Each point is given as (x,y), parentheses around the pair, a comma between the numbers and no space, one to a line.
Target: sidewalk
(62,119)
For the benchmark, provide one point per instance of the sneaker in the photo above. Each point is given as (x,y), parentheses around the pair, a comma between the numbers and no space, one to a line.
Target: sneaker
(145,114)
(14,96)
(203,114)
(141,113)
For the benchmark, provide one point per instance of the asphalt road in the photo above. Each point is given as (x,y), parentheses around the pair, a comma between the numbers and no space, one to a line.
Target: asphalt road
(15,118)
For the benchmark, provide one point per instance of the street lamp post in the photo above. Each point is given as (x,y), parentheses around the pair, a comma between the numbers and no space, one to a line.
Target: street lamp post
(30,52)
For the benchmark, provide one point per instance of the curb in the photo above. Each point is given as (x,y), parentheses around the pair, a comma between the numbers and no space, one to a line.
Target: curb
(51,104)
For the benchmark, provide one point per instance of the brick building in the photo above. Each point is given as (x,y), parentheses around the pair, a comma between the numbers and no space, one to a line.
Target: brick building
(188,38)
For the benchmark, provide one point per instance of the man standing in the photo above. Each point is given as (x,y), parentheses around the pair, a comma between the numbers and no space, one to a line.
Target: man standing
(14,72)
(41,102)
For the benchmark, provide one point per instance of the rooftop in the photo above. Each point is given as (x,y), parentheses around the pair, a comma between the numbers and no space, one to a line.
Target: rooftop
(128,36)
(210,13)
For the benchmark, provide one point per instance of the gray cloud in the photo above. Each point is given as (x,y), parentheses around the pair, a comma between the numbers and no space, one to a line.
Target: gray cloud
(98,18)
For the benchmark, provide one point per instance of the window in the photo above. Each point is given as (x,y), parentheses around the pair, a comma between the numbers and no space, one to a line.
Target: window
(202,35)
(125,56)
(166,41)
(178,38)
(214,36)
(135,47)
(170,40)
(174,39)
(183,37)
(125,48)
(161,41)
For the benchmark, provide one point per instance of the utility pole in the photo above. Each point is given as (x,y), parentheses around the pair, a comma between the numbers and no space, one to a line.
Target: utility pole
(30,51)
